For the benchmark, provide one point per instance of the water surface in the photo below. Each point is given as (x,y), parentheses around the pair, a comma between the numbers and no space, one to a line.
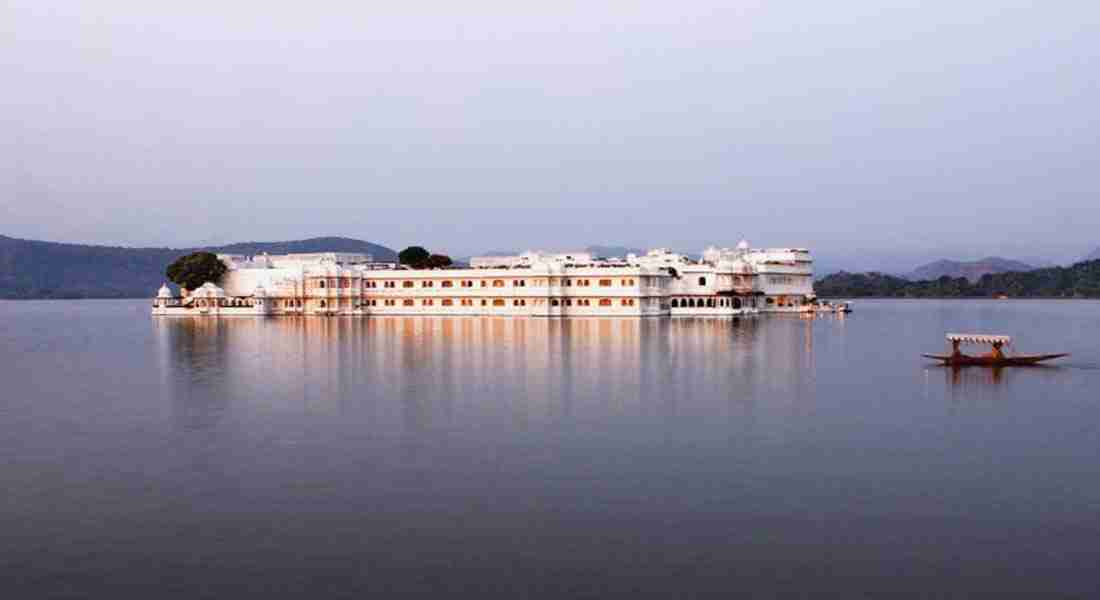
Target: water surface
(765,456)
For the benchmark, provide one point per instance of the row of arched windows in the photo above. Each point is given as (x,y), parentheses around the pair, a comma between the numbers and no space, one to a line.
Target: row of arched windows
(706,303)
(225,302)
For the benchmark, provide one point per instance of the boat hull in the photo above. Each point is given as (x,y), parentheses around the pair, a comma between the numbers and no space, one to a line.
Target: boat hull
(992,361)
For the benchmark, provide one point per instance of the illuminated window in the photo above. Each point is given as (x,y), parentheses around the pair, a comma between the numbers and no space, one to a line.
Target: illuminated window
(498,283)
(605,302)
(605,283)
(408,302)
(407,284)
(448,302)
(447,284)
(498,302)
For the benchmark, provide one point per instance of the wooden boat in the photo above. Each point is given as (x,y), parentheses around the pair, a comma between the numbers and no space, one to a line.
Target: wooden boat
(995,358)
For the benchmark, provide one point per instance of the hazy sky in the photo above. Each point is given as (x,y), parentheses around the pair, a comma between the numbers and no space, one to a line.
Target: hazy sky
(882,129)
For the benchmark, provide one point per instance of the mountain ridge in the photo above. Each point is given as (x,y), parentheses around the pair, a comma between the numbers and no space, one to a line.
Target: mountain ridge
(1080,280)
(35,269)
(972,270)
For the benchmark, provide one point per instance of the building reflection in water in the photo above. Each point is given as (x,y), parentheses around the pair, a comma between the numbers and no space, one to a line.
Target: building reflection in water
(418,376)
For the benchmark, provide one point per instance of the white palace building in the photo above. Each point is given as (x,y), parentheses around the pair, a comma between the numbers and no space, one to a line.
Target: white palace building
(725,282)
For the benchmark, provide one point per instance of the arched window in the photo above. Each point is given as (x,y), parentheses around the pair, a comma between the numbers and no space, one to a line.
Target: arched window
(737,303)
(554,302)
(675,303)
(710,303)
(702,281)
(322,304)
(322,283)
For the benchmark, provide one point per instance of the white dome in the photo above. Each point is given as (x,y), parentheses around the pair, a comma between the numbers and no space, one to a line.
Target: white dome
(209,290)
(164,291)
(743,245)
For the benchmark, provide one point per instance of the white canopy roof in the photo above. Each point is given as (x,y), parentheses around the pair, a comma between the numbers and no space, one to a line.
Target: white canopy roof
(978,338)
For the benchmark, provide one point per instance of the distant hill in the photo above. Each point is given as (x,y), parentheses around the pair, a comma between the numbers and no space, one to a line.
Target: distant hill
(1081,280)
(594,250)
(613,251)
(36,269)
(1095,255)
(971,270)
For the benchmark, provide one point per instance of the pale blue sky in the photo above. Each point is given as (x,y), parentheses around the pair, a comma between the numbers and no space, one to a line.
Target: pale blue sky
(878,133)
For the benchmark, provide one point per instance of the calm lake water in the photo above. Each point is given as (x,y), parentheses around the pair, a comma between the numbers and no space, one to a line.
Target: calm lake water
(766,456)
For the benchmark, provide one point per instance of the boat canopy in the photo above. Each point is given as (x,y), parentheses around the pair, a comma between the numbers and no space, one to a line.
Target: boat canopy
(977,338)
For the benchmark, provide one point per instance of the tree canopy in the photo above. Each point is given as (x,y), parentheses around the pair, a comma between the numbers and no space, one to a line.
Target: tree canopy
(1081,280)
(418,257)
(438,261)
(191,271)
(413,256)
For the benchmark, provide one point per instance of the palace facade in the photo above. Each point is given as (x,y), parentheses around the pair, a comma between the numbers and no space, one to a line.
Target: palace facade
(723,281)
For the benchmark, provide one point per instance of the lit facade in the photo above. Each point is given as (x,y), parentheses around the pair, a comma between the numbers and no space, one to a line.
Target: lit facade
(724,282)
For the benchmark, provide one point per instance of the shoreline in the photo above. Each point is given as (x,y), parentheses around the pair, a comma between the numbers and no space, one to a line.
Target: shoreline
(988,298)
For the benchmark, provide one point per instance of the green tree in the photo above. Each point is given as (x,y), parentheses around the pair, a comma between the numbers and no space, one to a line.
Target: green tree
(191,271)
(438,261)
(414,256)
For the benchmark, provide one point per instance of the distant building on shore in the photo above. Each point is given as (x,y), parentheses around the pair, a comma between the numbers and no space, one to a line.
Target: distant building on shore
(725,281)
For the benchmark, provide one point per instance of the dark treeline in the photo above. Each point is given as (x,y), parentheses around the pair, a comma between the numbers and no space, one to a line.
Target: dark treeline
(1081,280)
